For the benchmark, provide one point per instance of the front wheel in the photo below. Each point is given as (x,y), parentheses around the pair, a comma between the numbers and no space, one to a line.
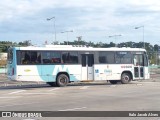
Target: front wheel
(125,78)
(62,80)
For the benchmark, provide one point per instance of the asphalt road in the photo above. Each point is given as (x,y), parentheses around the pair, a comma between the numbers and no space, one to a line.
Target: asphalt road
(136,96)
(98,96)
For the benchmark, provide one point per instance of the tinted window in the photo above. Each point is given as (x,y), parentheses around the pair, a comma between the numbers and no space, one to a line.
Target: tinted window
(83,60)
(29,57)
(70,57)
(123,57)
(51,57)
(106,57)
(90,60)
(145,60)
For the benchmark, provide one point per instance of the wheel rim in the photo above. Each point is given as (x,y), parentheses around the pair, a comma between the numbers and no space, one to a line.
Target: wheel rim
(63,80)
(126,78)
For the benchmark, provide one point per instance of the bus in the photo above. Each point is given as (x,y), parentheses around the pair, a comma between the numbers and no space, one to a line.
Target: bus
(60,65)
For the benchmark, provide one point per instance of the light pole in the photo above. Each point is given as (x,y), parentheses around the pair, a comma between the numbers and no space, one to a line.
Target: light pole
(143,34)
(54,26)
(67,34)
(115,36)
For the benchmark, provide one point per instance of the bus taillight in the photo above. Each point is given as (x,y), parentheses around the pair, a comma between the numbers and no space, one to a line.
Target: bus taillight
(12,71)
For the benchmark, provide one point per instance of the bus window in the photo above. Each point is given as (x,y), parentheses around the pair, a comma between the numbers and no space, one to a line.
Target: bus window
(123,57)
(33,57)
(28,57)
(24,57)
(56,57)
(145,60)
(38,58)
(51,57)
(102,57)
(138,60)
(70,57)
(106,57)
(83,60)
(90,60)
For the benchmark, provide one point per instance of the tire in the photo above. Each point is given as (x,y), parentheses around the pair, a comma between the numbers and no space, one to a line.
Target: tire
(113,81)
(125,78)
(52,84)
(62,80)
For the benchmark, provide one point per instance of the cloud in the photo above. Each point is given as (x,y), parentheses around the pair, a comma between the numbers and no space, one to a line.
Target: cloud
(92,19)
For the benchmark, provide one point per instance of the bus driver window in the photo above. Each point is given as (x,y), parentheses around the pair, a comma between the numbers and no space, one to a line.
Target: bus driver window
(135,60)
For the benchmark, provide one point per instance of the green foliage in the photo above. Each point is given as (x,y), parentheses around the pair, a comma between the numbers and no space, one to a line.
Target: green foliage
(151,49)
(4,45)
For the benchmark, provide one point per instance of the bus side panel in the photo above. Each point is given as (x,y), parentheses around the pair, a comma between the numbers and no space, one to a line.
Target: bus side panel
(106,72)
(29,73)
(74,72)
(47,73)
(99,72)
(110,71)
(118,69)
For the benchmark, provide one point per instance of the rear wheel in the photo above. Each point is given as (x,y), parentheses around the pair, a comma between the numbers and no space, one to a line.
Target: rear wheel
(62,80)
(113,81)
(125,78)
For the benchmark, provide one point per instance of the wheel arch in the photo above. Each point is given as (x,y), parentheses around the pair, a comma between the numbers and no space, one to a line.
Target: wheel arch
(63,73)
(129,72)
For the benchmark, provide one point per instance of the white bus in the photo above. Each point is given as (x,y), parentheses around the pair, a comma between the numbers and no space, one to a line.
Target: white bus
(62,65)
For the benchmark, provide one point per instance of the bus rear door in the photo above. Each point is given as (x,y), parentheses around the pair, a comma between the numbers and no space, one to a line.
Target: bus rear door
(87,66)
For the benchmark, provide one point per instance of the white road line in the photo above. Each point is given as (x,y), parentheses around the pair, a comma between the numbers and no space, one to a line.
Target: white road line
(84,87)
(113,85)
(73,109)
(18,104)
(17,92)
(10,97)
(139,84)
(53,89)
(38,93)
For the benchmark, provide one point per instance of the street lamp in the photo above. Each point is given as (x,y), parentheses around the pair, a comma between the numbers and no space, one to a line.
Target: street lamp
(67,34)
(115,36)
(48,19)
(143,34)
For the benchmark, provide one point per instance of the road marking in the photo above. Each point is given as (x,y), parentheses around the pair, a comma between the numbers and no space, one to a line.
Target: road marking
(18,104)
(17,92)
(113,85)
(84,87)
(139,84)
(54,89)
(38,93)
(73,109)
(28,119)
(11,97)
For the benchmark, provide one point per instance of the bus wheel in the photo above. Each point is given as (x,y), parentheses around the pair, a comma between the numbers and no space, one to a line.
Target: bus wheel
(113,81)
(62,80)
(125,78)
(53,84)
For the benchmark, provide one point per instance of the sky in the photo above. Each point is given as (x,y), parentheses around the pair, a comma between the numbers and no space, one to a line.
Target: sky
(94,20)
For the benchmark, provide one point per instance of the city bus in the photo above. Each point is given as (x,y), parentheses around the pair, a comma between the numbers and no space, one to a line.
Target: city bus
(60,65)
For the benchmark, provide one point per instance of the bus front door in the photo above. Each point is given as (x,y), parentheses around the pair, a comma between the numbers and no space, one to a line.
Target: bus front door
(87,66)
(138,66)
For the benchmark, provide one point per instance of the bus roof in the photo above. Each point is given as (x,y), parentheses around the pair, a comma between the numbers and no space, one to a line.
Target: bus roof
(69,48)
